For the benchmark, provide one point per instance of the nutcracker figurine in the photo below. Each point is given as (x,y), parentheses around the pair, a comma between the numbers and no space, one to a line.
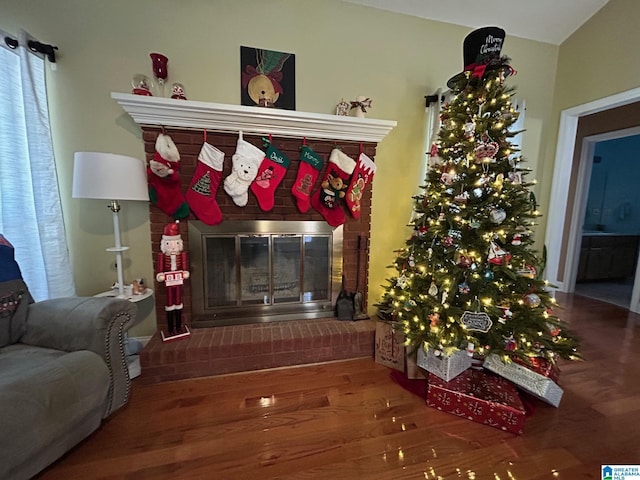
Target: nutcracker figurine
(173,270)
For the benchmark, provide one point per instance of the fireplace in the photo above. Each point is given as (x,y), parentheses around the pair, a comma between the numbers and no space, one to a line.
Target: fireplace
(263,271)
(239,331)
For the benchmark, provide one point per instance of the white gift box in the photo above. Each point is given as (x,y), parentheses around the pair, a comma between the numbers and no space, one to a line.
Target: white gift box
(534,383)
(446,367)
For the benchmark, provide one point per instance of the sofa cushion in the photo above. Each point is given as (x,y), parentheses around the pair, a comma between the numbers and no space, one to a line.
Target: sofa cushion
(45,397)
(14,296)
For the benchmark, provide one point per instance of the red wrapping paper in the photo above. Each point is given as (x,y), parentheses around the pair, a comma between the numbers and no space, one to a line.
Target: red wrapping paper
(479,396)
(542,366)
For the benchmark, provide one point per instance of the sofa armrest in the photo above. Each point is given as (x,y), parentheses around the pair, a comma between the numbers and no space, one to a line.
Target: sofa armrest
(86,323)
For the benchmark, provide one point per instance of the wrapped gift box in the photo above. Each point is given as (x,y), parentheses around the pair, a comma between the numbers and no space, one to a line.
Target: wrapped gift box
(542,366)
(389,346)
(479,396)
(447,367)
(538,385)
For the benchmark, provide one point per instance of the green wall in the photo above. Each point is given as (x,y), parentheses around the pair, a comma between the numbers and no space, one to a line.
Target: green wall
(342,50)
(599,60)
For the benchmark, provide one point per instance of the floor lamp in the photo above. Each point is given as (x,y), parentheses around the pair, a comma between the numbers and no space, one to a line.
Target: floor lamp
(110,177)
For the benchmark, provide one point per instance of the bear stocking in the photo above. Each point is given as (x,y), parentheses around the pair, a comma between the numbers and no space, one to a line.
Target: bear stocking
(326,200)
(246,162)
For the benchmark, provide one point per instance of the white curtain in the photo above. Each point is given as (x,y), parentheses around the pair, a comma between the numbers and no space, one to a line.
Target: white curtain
(30,210)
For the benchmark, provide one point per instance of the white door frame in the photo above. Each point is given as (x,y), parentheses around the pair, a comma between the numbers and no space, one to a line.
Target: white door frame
(559,199)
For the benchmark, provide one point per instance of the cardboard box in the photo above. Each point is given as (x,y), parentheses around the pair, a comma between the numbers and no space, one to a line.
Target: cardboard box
(479,396)
(447,367)
(540,386)
(389,346)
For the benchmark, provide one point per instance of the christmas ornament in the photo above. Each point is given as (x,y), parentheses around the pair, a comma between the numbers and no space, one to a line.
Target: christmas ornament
(447,241)
(434,320)
(470,349)
(510,343)
(164,182)
(476,321)
(488,275)
(272,170)
(515,178)
(464,288)
(201,195)
(528,271)
(308,171)
(326,200)
(497,256)
(477,192)
(486,150)
(464,261)
(141,85)
(402,281)
(448,178)
(434,158)
(532,300)
(469,130)
(461,198)
(245,164)
(412,261)
(177,92)
(361,177)
(433,289)
(516,240)
(497,215)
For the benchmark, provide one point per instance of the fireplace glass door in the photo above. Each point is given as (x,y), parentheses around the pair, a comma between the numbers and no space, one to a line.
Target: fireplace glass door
(254,277)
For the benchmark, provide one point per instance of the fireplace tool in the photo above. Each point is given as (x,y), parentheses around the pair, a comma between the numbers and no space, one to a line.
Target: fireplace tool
(358,314)
(344,304)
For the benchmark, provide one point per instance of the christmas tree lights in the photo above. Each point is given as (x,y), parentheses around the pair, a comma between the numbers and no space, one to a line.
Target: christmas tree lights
(469,277)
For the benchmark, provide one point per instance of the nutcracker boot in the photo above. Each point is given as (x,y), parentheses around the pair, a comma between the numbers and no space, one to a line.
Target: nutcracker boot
(178,320)
(170,323)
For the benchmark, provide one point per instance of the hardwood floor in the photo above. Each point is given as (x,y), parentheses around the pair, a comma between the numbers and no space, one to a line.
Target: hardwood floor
(350,420)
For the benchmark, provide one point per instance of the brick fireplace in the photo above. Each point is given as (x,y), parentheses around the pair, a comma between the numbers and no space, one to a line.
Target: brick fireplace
(229,348)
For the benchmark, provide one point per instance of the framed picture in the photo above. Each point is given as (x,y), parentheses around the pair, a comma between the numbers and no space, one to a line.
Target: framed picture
(268,78)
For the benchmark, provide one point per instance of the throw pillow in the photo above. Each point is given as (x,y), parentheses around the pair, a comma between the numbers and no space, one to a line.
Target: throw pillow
(14,296)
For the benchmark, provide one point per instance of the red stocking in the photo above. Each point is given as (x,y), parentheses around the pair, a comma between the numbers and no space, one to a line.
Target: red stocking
(201,195)
(271,172)
(310,166)
(326,199)
(164,181)
(362,176)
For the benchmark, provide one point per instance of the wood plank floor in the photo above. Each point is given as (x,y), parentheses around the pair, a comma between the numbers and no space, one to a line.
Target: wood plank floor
(349,420)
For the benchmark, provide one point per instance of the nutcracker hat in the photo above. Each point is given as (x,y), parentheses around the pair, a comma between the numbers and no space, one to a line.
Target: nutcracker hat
(171,231)
(481,51)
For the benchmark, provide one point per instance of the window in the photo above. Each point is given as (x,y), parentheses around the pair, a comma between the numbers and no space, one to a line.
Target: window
(30,210)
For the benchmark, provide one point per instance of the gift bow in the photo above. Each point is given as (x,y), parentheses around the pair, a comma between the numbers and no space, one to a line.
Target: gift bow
(363,105)
(274,76)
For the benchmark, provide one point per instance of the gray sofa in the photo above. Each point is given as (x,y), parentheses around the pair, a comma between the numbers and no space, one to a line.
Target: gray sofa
(59,378)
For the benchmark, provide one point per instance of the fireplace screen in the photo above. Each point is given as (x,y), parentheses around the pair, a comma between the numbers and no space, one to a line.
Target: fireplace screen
(246,272)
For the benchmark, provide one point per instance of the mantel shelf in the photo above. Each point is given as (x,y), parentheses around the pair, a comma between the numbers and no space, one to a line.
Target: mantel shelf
(219,117)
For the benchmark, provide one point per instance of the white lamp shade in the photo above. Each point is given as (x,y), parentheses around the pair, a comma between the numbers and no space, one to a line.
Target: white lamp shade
(109,176)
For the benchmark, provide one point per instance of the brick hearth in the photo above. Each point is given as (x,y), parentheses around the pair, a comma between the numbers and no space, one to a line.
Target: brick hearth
(228,349)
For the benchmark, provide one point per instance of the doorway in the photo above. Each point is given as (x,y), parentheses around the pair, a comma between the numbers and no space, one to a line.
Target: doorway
(611,220)
(579,130)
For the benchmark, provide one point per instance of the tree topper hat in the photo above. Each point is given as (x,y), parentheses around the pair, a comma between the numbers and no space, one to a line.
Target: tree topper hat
(481,49)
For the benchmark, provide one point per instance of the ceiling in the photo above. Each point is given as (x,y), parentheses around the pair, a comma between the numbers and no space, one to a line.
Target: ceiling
(549,21)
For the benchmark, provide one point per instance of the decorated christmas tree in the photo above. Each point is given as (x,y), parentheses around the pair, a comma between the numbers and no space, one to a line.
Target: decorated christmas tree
(469,277)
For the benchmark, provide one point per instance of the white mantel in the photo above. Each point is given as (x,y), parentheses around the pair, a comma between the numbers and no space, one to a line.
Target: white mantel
(220,117)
